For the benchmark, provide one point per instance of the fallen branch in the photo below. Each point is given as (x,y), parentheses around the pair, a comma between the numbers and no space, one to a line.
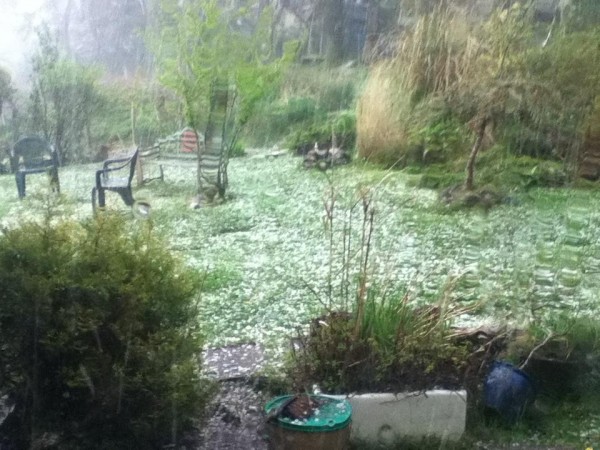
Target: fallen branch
(536,348)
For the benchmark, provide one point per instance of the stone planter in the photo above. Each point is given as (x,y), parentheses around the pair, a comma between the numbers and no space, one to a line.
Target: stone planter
(385,418)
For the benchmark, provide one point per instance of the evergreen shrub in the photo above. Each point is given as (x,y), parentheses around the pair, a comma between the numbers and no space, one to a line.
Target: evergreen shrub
(99,332)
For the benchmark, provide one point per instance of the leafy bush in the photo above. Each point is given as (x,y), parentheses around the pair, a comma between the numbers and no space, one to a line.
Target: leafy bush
(438,177)
(99,332)
(562,354)
(337,95)
(496,168)
(581,334)
(342,125)
(584,14)
(499,167)
(63,100)
(238,149)
(300,109)
(294,111)
(135,109)
(274,119)
(441,140)
(333,89)
(308,97)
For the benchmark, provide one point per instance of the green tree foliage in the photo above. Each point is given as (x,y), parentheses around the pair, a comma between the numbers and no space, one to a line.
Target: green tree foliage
(200,44)
(135,111)
(63,100)
(8,121)
(580,15)
(537,95)
(99,331)
(500,78)
(6,89)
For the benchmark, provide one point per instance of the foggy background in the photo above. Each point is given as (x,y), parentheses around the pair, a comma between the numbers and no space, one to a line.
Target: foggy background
(18,20)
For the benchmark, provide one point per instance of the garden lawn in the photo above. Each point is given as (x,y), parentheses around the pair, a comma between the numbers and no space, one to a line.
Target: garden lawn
(266,250)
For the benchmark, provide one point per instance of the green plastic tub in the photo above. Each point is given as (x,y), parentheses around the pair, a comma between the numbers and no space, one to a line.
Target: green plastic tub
(328,428)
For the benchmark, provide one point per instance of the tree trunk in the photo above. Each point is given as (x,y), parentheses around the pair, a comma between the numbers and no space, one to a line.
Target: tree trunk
(66,26)
(372,28)
(333,27)
(469,182)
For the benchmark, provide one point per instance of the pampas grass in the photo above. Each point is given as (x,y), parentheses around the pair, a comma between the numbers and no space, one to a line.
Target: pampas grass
(428,61)
(382,135)
(435,54)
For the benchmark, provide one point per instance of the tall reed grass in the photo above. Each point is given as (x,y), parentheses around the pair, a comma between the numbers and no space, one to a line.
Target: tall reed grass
(428,61)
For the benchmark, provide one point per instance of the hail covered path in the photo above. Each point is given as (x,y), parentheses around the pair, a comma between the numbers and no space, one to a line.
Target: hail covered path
(236,417)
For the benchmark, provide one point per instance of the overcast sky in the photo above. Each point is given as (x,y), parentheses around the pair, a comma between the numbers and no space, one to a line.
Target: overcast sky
(18,19)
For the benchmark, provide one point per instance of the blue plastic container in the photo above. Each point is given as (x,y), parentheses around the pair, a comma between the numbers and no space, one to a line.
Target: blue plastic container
(508,390)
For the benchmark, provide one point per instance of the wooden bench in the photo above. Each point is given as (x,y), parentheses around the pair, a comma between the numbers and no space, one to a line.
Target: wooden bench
(30,155)
(182,145)
(116,175)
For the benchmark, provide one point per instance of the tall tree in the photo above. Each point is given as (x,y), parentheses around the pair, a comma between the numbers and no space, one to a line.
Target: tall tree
(6,88)
(108,32)
(62,100)
(333,28)
(218,61)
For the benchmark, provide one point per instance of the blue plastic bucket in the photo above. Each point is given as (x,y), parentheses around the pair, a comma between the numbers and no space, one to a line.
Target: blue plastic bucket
(508,390)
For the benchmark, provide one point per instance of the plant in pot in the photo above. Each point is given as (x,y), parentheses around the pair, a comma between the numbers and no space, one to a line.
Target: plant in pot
(403,367)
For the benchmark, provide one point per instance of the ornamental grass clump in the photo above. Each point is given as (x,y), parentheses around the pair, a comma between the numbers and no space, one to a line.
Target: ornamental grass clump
(372,339)
(99,333)
(397,348)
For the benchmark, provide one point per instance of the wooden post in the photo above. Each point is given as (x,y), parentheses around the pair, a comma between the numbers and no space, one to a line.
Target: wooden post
(469,182)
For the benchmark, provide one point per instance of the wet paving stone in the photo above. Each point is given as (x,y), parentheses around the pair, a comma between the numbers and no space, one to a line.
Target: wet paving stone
(236,419)
(234,361)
